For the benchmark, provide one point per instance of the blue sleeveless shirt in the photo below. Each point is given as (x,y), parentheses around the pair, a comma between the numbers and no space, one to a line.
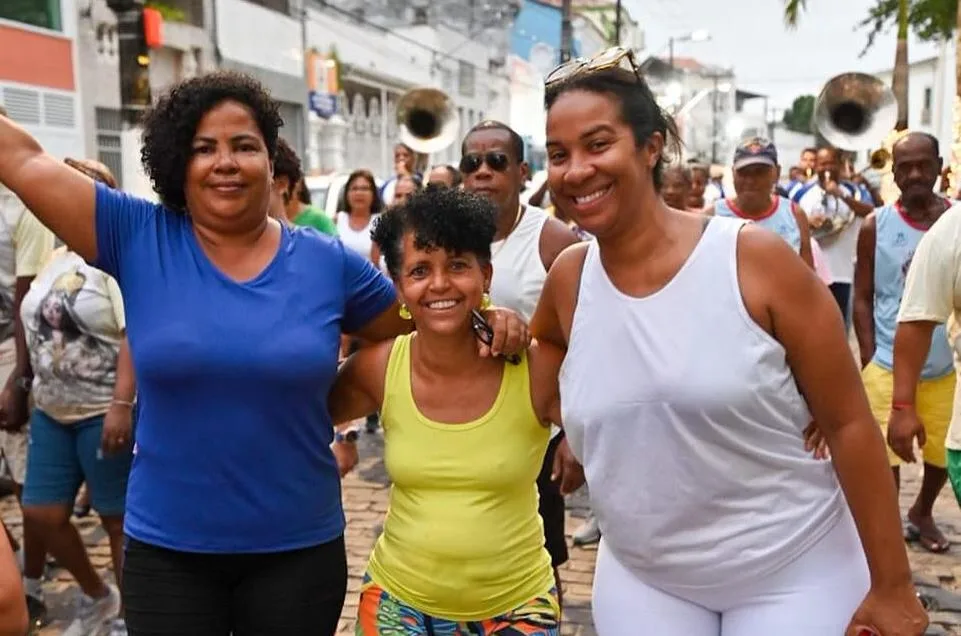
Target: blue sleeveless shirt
(780,219)
(894,248)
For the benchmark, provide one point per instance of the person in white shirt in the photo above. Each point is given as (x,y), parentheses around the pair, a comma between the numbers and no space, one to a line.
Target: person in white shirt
(830,200)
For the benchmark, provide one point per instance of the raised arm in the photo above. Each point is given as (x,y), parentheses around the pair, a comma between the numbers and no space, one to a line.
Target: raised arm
(61,197)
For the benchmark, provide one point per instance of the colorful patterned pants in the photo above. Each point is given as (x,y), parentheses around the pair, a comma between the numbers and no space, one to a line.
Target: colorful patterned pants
(381,614)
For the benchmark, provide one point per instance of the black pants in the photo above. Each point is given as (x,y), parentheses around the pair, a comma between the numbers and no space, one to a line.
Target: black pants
(551,507)
(842,295)
(168,593)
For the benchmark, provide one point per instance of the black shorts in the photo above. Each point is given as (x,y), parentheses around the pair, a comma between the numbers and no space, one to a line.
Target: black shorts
(551,507)
(169,593)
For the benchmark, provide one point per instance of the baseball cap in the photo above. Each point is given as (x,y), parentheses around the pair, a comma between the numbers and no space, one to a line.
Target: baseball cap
(753,151)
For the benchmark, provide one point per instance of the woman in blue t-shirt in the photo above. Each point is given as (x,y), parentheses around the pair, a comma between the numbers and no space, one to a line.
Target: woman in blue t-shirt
(234,517)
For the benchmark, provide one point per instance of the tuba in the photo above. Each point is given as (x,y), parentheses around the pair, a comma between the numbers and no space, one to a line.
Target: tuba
(427,119)
(854,112)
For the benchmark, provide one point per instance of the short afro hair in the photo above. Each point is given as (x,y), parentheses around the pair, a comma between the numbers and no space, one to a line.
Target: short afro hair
(287,164)
(440,218)
(170,126)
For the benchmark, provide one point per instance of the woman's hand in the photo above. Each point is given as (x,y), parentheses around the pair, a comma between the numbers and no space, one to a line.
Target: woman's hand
(511,335)
(117,429)
(346,455)
(814,442)
(567,470)
(889,612)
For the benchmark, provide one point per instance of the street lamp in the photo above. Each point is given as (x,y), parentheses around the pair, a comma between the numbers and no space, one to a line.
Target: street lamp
(699,35)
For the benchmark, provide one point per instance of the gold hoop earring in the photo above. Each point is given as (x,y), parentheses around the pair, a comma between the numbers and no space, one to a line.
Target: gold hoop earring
(486,302)
(404,312)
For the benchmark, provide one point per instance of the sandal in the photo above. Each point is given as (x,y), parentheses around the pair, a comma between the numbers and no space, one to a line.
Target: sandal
(934,545)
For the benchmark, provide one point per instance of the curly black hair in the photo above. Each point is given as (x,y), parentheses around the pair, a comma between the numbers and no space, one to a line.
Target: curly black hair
(170,126)
(444,218)
(287,164)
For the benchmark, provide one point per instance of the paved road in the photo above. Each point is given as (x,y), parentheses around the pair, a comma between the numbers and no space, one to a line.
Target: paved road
(365,496)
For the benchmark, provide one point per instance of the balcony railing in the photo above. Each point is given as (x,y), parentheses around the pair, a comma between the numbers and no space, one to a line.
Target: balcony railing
(185,11)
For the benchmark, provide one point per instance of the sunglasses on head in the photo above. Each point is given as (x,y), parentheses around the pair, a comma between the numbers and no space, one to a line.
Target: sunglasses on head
(471,163)
(614,57)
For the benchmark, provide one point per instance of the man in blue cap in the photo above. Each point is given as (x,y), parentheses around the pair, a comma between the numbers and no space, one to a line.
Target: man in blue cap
(756,172)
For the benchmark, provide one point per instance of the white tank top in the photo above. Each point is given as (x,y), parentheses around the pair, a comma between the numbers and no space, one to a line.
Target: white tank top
(689,425)
(519,272)
(357,240)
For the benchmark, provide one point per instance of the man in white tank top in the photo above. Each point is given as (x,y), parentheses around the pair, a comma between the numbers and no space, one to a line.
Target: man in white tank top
(525,246)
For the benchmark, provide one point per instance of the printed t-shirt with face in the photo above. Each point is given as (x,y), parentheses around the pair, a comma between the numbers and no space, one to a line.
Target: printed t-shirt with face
(25,246)
(932,292)
(74,321)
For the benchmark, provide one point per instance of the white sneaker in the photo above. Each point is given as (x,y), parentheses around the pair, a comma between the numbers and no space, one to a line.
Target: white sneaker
(588,533)
(94,616)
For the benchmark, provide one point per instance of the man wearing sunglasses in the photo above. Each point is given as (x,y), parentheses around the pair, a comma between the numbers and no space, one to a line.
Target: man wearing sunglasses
(525,246)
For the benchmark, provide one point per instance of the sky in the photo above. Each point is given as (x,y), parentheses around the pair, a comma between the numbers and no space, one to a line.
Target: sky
(750,36)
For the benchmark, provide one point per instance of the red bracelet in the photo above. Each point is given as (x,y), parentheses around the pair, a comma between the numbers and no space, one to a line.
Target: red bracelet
(901,406)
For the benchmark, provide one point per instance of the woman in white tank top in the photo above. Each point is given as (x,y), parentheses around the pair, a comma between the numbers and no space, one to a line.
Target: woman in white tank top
(699,350)
(361,205)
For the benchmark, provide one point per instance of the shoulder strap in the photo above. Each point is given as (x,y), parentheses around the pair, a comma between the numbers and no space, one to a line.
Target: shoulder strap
(800,192)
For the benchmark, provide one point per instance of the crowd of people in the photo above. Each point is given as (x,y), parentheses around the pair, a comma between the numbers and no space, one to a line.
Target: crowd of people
(201,362)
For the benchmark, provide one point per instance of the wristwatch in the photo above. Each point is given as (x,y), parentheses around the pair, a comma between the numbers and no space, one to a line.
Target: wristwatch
(346,437)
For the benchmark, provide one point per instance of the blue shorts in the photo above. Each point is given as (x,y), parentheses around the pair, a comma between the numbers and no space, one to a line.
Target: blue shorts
(63,456)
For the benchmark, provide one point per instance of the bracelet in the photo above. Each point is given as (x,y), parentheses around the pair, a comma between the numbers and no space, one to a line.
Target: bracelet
(901,406)
(122,403)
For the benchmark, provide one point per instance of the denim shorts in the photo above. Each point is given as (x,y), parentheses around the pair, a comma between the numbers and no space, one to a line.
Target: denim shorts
(63,456)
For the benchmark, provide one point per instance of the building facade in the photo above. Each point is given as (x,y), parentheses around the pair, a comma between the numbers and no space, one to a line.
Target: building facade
(38,72)
(931,92)
(383,50)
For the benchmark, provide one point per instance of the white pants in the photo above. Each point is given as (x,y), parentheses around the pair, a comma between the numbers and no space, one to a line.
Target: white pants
(816,594)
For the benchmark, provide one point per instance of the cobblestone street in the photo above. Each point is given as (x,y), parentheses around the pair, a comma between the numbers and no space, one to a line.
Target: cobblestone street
(365,493)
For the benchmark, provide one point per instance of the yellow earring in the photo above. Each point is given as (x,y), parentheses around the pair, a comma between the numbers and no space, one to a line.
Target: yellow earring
(486,301)
(404,312)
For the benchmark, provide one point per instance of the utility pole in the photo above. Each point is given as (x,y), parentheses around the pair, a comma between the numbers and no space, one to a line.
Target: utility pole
(567,32)
(617,24)
(714,108)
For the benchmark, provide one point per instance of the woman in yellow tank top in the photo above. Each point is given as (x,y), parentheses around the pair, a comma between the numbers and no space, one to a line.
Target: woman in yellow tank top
(462,550)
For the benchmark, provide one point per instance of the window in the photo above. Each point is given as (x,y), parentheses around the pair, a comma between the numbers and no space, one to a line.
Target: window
(926,109)
(40,13)
(109,125)
(465,78)
(277,5)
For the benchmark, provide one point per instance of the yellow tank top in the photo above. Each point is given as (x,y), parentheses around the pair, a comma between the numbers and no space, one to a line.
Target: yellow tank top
(462,539)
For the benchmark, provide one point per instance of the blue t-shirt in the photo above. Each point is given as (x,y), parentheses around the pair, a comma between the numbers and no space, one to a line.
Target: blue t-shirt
(232,451)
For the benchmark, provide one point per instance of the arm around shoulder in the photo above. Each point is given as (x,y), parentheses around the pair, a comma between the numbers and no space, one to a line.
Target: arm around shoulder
(555,309)
(359,387)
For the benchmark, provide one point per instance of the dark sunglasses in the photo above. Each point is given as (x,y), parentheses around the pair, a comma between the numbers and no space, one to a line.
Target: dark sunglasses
(485,334)
(498,161)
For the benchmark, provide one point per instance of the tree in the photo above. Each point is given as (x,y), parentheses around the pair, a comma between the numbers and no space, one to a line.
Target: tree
(929,20)
(798,117)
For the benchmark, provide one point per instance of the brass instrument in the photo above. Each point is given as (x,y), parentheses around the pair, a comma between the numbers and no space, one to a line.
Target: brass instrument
(427,119)
(854,112)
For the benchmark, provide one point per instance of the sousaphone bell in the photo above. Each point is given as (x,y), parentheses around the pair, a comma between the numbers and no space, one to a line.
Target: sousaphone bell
(854,112)
(427,119)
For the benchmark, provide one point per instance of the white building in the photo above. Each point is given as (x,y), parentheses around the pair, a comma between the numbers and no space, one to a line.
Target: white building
(931,91)
(703,100)
(38,72)
(186,51)
(387,50)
